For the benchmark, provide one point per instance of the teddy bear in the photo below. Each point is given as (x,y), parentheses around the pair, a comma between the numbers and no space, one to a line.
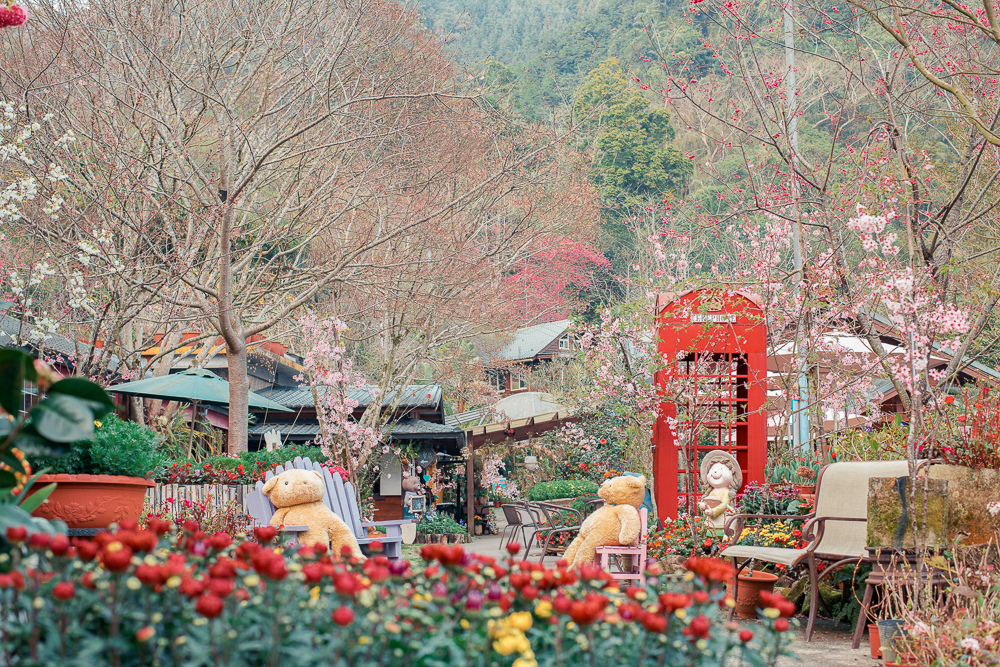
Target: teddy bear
(298,498)
(616,523)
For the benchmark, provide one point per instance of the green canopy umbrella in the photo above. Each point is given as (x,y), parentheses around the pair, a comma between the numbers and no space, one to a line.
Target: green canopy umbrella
(192,386)
(195,386)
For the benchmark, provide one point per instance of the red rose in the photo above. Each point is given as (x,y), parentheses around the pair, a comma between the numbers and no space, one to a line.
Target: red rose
(949,399)
(264,534)
(39,541)
(59,545)
(745,635)
(209,606)
(513,548)
(145,634)
(191,588)
(116,557)
(654,622)
(64,590)
(781,624)
(220,541)
(343,616)
(17,534)
(220,587)
(961,419)
(700,625)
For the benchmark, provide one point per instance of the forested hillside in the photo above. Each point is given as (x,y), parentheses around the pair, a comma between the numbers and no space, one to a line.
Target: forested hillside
(546,48)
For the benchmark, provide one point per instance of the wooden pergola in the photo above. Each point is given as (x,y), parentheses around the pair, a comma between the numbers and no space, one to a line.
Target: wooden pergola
(491,434)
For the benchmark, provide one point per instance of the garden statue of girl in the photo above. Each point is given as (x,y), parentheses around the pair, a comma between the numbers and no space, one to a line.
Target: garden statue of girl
(722,474)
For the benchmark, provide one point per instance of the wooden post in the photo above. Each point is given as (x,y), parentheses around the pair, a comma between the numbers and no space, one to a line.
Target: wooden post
(470,488)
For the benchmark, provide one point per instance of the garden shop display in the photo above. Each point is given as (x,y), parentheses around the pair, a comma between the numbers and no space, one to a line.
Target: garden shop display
(722,474)
(616,523)
(174,595)
(298,498)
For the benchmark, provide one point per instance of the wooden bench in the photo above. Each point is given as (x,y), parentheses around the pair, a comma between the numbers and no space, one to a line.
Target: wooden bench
(339,496)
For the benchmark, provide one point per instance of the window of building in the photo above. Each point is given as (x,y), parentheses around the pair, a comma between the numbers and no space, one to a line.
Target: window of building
(498,381)
(519,382)
(565,343)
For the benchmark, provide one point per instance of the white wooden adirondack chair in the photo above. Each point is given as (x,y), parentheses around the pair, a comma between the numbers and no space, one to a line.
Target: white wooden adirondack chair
(339,496)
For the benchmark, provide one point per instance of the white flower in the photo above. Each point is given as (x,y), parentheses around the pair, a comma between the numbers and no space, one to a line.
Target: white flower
(970,644)
(994,508)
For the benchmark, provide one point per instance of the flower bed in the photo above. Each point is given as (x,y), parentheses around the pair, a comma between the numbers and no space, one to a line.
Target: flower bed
(179,596)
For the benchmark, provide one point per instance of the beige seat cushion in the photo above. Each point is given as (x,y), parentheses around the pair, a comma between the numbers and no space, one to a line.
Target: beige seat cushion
(767,554)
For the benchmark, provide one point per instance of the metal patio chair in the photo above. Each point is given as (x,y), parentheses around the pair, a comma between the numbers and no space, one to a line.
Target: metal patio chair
(836,531)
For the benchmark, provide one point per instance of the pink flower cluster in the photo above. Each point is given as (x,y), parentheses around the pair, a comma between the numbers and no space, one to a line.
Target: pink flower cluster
(13,16)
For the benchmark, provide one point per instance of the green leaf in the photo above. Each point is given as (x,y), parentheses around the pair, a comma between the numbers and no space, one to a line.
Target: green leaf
(31,503)
(90,392)
(63,418)
(33,445)
(15,368)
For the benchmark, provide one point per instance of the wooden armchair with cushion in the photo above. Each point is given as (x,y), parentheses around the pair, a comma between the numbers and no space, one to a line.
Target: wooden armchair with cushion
(836,531)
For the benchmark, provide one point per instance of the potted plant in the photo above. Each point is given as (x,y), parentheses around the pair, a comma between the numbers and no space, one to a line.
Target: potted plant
(64,411)
(807,484)
(752,584)
(103,479)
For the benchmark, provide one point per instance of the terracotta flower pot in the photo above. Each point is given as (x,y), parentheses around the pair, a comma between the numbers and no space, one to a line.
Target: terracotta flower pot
(876,646)
(93,501)
(805,489)
(748,595)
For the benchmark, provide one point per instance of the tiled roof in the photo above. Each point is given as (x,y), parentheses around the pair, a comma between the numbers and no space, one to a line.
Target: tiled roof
(415,396)
(404,429)
(529,341)
(22,334)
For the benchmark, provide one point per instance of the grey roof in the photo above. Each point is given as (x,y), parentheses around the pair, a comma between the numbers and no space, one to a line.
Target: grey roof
(470,418)
(404,429)
(529,341)
(414,396)
(419,429)
(22,334)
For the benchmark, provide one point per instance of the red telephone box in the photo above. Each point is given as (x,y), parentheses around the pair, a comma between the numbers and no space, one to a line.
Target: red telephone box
(714,347)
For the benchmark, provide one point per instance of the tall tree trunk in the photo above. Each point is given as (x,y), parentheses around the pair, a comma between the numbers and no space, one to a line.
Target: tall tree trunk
(239,387)
(230,325)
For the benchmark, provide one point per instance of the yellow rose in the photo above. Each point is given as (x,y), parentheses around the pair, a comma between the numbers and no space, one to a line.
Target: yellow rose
(509,642)
(520,620)
(543,609)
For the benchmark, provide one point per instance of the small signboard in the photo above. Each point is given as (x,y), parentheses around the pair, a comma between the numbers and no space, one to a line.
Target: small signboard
(714,317)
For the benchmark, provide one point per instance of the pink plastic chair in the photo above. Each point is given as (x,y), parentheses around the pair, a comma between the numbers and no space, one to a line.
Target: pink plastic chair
(638,554)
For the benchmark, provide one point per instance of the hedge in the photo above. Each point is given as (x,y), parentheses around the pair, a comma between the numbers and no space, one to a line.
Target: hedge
(562,488)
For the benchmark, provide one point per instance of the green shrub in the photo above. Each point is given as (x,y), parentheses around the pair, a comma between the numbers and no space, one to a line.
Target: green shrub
(561,488)
(119,447)
(439,523)
(281,455)
(222,462)
(580,504)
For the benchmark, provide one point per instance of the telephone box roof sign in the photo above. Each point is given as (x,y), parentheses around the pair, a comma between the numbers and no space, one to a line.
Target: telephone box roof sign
(714,343)
(709,320)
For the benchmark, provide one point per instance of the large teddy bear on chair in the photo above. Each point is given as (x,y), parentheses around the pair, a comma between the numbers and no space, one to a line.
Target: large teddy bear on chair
(615,523)
(298,497)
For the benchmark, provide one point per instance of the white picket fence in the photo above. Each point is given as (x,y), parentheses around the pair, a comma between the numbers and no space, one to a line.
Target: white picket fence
(214,494)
